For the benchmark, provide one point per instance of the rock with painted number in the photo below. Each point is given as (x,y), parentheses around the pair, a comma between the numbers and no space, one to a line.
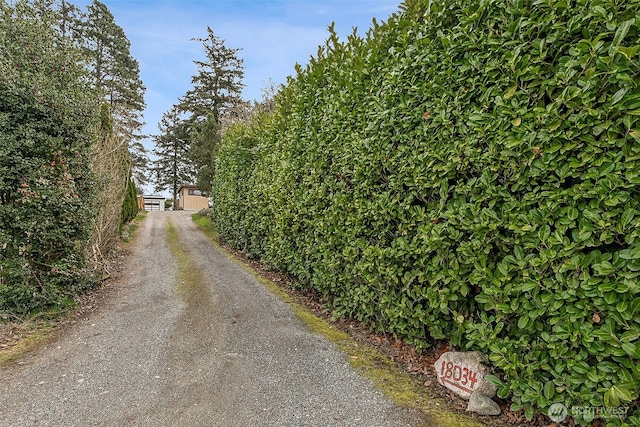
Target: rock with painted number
(463,373)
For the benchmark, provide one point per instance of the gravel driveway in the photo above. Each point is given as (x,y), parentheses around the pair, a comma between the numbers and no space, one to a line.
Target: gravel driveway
(227,354)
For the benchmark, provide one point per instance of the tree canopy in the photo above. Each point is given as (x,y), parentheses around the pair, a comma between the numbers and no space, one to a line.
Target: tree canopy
(216,92)
(115,72)
(218,85)
(172,167)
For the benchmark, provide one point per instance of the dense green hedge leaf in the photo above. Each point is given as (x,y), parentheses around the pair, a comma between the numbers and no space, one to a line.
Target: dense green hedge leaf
(48,123)
(467,171)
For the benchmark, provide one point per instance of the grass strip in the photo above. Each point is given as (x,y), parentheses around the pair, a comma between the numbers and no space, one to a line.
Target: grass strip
(189,278)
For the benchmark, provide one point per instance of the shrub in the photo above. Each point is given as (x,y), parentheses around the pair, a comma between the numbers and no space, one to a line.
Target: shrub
(46,119)
(468,171)
(114,202)
(130,205)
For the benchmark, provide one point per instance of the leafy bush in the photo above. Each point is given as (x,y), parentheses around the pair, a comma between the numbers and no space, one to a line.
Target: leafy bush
(469,171)
(236,203)
(46,119)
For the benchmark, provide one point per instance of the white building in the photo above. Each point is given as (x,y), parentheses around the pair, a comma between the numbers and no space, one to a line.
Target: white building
(153,202)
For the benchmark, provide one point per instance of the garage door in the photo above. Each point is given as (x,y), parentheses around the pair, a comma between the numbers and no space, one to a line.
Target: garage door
(152,205)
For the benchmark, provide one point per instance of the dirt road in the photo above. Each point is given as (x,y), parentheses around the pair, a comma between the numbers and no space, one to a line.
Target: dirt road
(207,345)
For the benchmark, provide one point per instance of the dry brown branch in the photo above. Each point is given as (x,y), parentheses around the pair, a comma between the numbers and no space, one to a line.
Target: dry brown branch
(111,166)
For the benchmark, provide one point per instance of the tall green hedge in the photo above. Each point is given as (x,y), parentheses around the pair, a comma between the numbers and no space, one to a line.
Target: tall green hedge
(469,171)
(47,115)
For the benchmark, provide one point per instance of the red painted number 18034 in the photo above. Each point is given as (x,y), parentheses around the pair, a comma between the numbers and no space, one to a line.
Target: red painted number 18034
(459,374)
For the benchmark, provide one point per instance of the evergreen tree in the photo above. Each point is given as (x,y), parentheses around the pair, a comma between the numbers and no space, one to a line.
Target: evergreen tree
(204,139)
(218,84)
(216,90)
(171,168)
(139,162)
(117,73)
(130,205)
(70,25)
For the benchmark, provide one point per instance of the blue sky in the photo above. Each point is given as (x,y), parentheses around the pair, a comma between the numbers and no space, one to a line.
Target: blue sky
(274,35)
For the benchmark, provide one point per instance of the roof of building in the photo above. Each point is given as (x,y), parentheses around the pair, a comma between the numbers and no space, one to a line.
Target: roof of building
(186,186)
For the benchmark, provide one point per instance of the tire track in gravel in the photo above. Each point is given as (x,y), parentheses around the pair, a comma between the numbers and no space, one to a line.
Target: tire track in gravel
(189,338)
(255,362)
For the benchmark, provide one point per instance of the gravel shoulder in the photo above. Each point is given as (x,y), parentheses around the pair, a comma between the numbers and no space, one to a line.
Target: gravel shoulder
(162,350)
